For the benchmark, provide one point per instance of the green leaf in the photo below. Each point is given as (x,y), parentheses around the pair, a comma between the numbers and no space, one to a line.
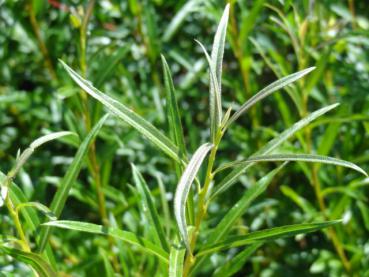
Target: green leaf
(215,67)
(35,144)
(217,51)
(127,115)
(294,157)
(183,189)
(215,97)
(266,235)
(273,87)
(70,177)
(176,259)
(164,205)
(237,210)
(128,237)
(42,268)
(305,205)
(232,177)
(173,115)
(42,208)
(235,264)
(178,19)
(106,69)
(149,207)
(225,225)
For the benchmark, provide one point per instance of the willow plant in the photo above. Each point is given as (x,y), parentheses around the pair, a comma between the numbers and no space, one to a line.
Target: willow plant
(181,253)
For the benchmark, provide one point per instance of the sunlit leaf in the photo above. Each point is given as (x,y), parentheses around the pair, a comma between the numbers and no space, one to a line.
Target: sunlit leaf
(183,188)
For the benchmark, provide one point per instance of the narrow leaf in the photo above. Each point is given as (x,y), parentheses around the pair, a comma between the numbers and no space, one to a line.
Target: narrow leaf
(297,158)
(183,189)
(128,237)
(275,86)
(232,177)
(149,205)
(35,144)
(218,47)
(42,208)
(49,137)
(70,177)
(42,268)
(266,235)
(174,117)
(225,225)
(179,18)
(217,53)
(176,259)
(214,97)
(127,115)
(237,210)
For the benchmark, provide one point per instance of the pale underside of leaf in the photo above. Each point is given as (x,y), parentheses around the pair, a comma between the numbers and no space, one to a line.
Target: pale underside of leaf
(216,64)
(215,96)
(183,189)
(232,177)
(273,87)
(127,115)
(297,158)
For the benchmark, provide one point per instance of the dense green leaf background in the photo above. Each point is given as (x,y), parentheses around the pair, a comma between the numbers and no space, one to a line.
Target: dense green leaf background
(142,61)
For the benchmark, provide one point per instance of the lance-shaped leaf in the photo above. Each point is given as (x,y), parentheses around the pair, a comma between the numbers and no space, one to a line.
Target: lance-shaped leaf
(174,118)
(35,144)
(273,87)
(237,210)
(176,259)
(232,177)
(215,97)
(296,158)
(224,226)
(266,235)
(215,65)
(128,237)
(149,207)
(69,178)
(38,263)
(127,115)
(38,206)
(183,189)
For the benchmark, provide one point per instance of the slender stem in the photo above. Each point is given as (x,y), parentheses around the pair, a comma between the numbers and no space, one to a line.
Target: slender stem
(353,14)
(45,53)
(202,205)
(92,156)
(95,168)
(15,216)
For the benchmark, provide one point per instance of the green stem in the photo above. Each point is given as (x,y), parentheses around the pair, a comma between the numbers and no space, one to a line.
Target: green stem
(202,205)
(94,166)
(45,53)
(15,216)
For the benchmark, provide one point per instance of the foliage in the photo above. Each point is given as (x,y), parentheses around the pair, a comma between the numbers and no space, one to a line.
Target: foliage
(177,181)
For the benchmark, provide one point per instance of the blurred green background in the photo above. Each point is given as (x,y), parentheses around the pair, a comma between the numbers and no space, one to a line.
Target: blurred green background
(266,40)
